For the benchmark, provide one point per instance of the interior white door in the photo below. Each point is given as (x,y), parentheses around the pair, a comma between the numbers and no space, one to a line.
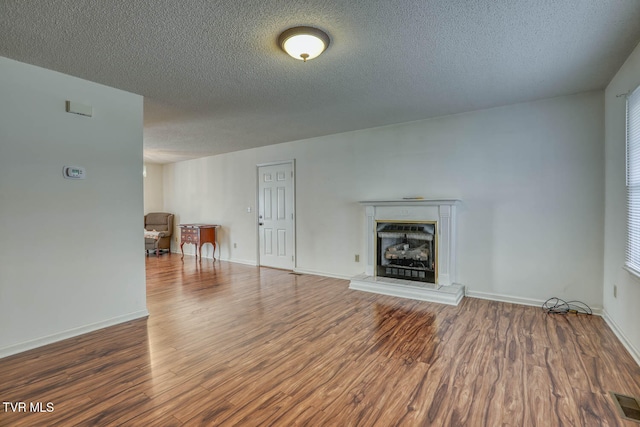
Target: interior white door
(276,216)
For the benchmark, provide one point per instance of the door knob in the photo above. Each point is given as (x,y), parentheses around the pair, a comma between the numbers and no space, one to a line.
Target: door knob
(260,223)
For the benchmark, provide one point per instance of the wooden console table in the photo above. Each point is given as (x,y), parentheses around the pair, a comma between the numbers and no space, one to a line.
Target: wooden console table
(198,234)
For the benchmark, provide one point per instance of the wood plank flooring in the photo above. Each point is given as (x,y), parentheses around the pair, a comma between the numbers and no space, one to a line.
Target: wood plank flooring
(228,344)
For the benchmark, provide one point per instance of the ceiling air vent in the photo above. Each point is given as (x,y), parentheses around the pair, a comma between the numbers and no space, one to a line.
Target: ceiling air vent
(627,406)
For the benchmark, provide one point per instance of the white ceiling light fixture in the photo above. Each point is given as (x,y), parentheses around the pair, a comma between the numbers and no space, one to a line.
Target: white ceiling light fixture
(304,42)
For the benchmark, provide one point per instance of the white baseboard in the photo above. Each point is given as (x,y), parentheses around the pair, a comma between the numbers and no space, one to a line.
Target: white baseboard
(50,339)
(621,337)
(241,261)
(189,252)
(252,263)
(517,300)
(321,273)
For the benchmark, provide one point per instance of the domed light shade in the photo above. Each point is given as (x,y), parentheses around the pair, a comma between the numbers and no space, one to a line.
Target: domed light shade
(303,42)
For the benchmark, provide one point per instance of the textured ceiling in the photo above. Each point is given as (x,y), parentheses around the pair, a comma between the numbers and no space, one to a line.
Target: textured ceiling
(215,81)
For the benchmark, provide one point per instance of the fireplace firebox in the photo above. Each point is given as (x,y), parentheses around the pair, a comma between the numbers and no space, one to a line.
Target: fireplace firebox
(407,250)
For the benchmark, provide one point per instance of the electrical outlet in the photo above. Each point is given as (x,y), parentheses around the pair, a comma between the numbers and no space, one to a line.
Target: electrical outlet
(357,258)
(615,291)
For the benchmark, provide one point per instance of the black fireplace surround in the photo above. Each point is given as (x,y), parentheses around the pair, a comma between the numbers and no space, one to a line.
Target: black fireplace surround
(406,250)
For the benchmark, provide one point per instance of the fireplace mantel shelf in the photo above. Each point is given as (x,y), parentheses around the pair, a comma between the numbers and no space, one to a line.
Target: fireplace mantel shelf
(411,202)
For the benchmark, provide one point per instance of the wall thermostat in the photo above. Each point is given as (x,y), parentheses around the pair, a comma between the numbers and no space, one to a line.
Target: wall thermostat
(74,172)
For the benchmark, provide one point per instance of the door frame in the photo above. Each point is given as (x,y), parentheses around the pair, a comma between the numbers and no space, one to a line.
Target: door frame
(292,162)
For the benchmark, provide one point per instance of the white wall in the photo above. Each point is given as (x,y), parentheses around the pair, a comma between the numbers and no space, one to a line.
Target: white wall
(72,257)
(153,193)
(621,311)
(530,177)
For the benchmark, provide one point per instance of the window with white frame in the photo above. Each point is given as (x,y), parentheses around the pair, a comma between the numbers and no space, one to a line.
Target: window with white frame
(632,261)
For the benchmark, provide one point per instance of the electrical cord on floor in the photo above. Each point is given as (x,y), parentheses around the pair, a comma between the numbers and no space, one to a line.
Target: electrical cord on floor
(557,306)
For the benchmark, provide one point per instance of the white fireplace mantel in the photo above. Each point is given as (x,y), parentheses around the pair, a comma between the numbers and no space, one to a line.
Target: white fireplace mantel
(442,211)
(411,202)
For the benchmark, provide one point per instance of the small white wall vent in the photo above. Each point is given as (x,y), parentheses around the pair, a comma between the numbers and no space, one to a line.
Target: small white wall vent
(78,108)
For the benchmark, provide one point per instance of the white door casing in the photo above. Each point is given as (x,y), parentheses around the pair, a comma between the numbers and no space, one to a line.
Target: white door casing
(276,216)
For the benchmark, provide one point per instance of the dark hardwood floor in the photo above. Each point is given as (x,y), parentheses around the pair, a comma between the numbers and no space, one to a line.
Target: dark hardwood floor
(228,344)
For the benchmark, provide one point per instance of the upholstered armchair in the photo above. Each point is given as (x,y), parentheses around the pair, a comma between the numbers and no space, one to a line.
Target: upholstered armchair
(163,223)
